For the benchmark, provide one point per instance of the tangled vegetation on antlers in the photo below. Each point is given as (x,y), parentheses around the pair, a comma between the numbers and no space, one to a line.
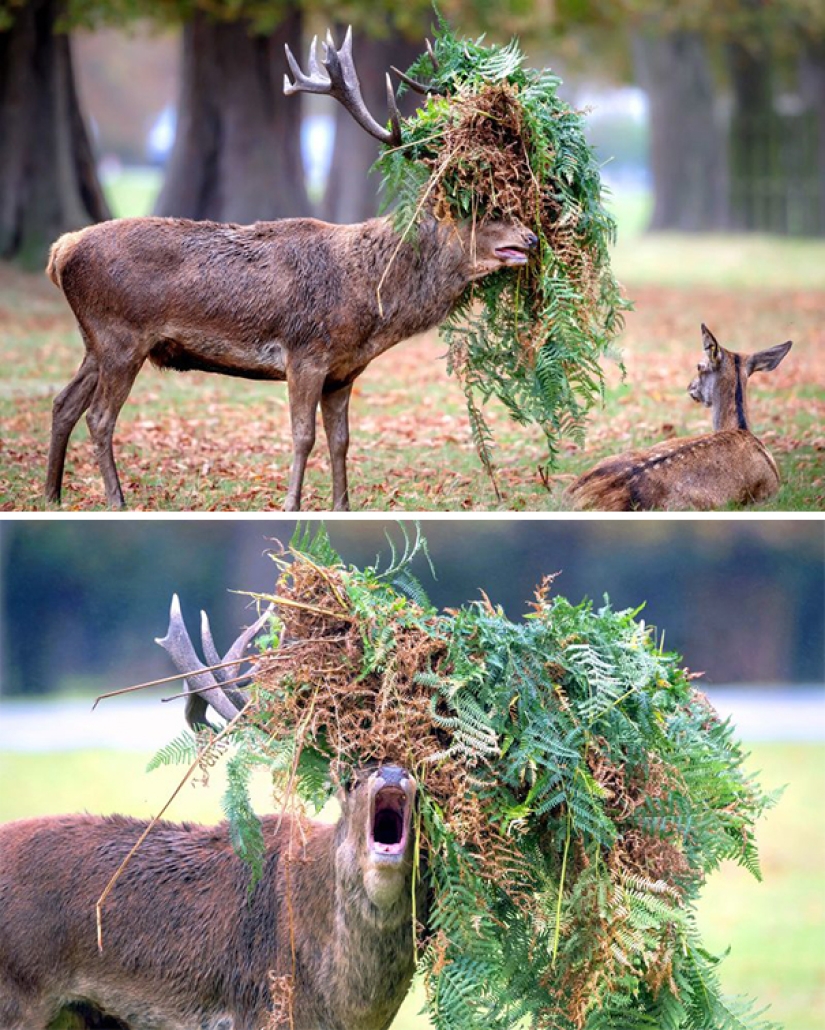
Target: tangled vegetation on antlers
(501,142)
(575,789)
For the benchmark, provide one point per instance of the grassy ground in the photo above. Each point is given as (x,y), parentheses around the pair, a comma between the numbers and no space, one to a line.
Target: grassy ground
(774,928)
(212,443)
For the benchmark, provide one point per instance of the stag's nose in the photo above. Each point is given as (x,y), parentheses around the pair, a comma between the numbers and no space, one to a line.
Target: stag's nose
(532,239)
(393,776)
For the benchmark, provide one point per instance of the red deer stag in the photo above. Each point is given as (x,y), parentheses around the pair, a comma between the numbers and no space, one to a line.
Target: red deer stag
(728,466)
(295,300)
(185,945)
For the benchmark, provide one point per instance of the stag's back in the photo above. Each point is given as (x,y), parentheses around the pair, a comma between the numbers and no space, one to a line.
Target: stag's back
(179,919)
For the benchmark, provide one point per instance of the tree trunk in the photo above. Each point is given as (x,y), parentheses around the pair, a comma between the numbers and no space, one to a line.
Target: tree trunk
(352,193)
(48,179)
(754,141)
(812,87)
(237,151)
(687,152)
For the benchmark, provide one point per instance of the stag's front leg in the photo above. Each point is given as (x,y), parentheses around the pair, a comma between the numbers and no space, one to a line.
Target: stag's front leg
(305,383)
(335,411)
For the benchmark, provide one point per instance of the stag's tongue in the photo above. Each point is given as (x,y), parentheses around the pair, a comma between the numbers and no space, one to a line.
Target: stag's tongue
(511,255)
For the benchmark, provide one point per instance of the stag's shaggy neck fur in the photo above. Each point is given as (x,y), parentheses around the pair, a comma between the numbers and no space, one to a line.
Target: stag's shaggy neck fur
(184,943)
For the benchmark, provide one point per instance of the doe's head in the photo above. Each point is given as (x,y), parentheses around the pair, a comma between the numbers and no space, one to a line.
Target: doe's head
(722,378)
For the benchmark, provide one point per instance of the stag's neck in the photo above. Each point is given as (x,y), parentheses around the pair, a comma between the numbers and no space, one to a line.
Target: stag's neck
(362,955)
(374,960)
(417,280)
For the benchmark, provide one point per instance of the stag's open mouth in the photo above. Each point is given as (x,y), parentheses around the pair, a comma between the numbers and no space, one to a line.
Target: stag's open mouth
(390,823)
(511,255)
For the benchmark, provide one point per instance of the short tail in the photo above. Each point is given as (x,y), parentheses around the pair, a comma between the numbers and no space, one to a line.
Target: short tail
(602,489)
(59,254)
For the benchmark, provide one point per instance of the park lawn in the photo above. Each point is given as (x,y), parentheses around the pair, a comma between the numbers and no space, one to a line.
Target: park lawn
(213,443)
(773,928)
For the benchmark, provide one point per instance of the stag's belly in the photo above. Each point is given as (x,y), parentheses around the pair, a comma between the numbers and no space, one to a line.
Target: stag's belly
(249,359)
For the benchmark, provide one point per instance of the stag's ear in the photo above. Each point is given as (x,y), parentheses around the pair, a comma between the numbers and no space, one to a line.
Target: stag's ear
(767,360)
(347,782)
(712,348)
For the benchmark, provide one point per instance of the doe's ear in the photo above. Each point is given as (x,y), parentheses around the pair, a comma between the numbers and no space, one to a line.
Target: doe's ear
(767,360)
(711,345)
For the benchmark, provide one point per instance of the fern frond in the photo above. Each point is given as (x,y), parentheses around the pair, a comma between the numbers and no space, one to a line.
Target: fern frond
(183,750)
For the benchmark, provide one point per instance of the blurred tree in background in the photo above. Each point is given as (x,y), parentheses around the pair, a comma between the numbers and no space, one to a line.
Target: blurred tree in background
(237,151)
(48,179)
(737,106)
(736,94)
(744,601)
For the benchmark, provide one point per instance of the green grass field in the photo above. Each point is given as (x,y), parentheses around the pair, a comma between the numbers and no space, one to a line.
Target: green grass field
(774,929)
(213,443)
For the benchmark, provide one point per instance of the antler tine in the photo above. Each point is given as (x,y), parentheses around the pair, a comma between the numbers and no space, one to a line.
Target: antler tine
(236,651)
(180,649)
(210,652)
(248,634)
(315,82)
(414,84)
(314,69)
(395,114)
(342,84)
(421,87)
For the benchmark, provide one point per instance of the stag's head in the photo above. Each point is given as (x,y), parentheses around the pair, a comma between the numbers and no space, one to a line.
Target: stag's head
(374,854)
(497,244)
(375,838)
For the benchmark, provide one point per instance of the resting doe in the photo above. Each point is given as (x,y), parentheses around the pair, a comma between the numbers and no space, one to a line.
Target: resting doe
(728,466)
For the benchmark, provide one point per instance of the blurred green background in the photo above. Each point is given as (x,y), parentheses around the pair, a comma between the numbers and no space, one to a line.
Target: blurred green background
(81,601)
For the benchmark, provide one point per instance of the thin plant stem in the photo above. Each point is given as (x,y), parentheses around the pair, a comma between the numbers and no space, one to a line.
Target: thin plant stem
(183,675)
(557,929)
(155,820)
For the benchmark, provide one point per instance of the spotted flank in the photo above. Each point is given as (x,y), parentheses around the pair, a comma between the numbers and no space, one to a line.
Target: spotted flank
(700,473)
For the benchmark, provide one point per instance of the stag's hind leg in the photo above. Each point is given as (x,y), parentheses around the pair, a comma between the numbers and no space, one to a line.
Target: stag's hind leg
(67,408)
(114,383)
(335,411)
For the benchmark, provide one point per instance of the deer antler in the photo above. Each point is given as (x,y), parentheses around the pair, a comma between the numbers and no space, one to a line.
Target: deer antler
(421,87)
(177,643)
(342,83)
